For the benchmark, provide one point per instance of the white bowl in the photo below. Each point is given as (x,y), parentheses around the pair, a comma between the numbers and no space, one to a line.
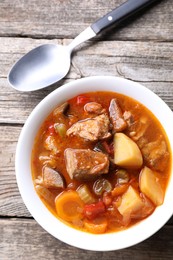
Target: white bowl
(49,222)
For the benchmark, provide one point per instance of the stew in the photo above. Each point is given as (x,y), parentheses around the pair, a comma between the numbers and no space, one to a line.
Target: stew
(101,162)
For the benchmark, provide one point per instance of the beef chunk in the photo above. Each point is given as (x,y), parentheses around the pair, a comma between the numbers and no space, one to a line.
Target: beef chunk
(94,108)
(138,128)
(62,109)
(156,154)
(116,116)
(51,178)
(92,129)
(84,164)
(128,117)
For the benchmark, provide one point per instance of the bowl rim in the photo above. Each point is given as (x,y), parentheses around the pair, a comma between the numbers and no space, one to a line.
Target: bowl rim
(55,227)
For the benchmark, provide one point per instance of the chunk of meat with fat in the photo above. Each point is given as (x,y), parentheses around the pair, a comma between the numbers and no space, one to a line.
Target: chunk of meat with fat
(116,116)
(128,117)
(62,109)
(138,128)
(94,108)
(83,164)
(156,154)
(51,178)
(92,129)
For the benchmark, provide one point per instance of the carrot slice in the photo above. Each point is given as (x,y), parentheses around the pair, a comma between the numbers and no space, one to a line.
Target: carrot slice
(69,205)
(98,226)
(119,189)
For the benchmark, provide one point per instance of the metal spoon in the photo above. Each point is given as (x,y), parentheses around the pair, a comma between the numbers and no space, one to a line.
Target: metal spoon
(49,63)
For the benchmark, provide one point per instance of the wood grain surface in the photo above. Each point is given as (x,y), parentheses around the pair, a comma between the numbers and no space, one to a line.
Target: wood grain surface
(141,49)
(66,19)
(30,241)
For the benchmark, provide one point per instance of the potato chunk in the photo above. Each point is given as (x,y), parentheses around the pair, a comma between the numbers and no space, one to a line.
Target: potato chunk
(130,203)
(126,152)
(150,186)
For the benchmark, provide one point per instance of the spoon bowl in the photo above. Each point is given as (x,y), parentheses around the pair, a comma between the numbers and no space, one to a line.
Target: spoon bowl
(40,67)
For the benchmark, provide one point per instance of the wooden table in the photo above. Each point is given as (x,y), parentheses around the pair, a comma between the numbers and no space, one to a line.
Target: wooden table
(140,50)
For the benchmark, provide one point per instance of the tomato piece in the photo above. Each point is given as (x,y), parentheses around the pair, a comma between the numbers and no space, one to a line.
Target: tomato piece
(81,100)
(107,198)
(51,129)
(91,211)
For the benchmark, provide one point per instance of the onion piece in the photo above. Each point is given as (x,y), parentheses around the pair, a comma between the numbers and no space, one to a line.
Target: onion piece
(45,194)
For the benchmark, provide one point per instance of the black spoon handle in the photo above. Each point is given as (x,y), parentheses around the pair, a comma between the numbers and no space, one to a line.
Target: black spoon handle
(119,14)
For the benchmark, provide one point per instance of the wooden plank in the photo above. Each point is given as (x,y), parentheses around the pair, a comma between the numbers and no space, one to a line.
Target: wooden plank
(115,57)
(102,56)
(61,19)
(11,203)
(150,64)
(8,140)
(24,239)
